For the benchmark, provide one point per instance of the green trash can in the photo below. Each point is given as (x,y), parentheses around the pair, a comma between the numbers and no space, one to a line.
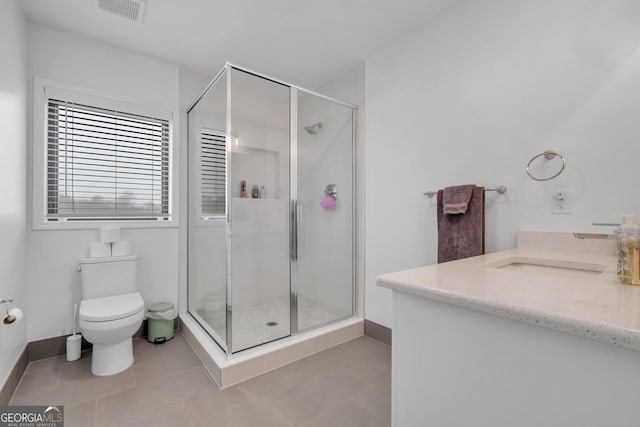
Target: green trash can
(160,322)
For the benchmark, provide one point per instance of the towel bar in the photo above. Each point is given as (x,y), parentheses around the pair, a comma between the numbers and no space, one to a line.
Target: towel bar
(501,189)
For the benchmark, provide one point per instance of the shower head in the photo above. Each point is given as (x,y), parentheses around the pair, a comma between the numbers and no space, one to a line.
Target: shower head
(314,128)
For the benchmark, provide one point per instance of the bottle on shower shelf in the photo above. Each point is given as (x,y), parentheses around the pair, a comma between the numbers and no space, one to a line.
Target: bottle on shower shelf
(628,253)
(263,192)
(255,193)
(243,189)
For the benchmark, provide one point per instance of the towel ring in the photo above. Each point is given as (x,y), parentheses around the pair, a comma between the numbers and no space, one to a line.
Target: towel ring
(549,154)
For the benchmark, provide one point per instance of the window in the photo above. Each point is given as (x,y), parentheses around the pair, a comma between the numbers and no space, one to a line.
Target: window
(213,174)
(105,163)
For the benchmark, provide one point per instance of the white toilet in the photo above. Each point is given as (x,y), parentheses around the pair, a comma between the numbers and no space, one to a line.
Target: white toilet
(111,311)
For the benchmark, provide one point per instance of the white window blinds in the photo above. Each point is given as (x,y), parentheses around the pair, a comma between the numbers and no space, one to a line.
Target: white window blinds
(103,163)
(213,173)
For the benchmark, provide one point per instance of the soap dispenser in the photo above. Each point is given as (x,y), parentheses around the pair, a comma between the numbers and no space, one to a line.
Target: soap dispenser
(628,250)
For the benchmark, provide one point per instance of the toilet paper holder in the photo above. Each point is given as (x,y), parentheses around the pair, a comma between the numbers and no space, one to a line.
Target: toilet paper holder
(6,301)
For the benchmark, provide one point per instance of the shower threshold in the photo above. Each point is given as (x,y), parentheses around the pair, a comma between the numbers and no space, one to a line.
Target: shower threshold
(267,357)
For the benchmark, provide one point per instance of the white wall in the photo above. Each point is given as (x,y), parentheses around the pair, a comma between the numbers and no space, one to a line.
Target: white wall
(13,160)
(472,96)
(348,86)
(52,280)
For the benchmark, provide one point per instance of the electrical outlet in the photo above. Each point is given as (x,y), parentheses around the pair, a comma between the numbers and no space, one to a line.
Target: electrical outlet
(560,202)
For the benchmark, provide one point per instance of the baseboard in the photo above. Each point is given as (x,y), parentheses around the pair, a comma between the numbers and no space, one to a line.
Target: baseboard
(377,332)
(51,347)
(9,387)
(43,349)
(57,346)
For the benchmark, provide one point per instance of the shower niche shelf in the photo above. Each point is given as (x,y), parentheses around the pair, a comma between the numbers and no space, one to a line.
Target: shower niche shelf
(250,199)
(256,166)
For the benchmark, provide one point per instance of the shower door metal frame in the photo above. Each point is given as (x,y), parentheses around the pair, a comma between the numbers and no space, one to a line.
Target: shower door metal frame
(294,90)
(293,206)
(229,207)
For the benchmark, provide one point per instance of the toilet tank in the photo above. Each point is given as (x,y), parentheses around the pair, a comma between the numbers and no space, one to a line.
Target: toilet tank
(105,277)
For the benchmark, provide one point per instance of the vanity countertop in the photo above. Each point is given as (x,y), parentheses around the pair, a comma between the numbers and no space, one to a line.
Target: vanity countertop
(595,306)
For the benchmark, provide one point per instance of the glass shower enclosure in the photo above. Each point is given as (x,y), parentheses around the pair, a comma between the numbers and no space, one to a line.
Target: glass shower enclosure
(271,235)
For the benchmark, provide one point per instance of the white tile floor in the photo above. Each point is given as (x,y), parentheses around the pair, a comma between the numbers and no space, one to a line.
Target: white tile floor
(345,386)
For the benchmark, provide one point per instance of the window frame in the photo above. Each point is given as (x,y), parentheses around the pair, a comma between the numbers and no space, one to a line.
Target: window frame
(196,124)
(46,89)
(211,218)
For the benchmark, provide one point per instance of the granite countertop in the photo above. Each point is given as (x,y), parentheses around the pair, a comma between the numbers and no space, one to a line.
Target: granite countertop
(595,307)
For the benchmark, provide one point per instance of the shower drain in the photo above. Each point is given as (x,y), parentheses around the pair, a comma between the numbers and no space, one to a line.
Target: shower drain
(272,323)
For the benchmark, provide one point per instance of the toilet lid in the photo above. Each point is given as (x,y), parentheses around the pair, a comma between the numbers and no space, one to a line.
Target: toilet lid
(111,308)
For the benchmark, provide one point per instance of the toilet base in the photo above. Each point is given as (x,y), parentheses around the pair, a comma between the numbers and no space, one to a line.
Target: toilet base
(110,359)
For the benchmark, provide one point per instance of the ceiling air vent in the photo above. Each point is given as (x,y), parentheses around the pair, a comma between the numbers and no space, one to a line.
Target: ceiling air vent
(131,9)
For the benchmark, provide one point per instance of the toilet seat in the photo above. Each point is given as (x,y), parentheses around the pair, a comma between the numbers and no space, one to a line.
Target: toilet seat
(111,308)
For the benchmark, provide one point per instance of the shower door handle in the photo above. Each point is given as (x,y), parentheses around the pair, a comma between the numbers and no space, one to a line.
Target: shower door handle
(293,243)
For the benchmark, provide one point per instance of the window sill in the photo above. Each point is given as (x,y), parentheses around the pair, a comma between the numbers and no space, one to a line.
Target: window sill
(93,225)
(200,222)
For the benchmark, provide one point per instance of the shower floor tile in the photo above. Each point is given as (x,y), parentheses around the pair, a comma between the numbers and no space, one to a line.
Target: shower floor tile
(347,385)
(254,325)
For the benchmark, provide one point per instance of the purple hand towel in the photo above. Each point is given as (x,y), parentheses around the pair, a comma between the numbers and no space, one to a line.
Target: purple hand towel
(461,236)
(456,199)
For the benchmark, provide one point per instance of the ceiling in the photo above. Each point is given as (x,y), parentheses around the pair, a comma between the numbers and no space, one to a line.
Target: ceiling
(301,41)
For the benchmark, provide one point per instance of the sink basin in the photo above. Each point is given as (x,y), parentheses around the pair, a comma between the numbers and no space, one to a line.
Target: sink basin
(551,267)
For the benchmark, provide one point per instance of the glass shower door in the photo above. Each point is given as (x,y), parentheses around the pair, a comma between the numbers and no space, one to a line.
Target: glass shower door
(325,198)
(258,190)
(207,236)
